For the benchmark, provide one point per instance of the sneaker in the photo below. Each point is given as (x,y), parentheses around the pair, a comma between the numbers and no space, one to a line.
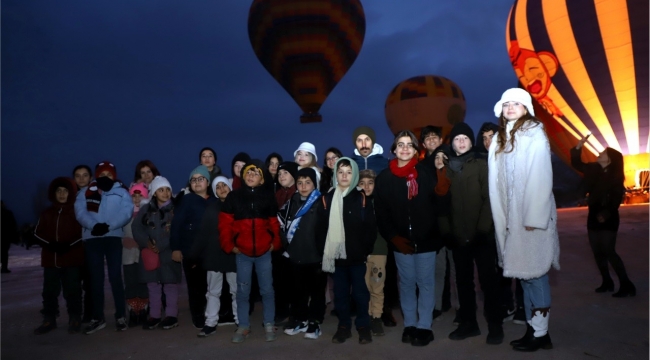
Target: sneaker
(169,322)
(422,337)
(207,331)
(313,331)
(292,323)
(365,336)
(520,317)
(46,327)
(151,323)
(300,327)
(509,314)
(94,326)
(241,334)
(341,335)
(465,330)
(74,326)
(377,327)
(270,329)
(408,334)
(121,324)
(227,319)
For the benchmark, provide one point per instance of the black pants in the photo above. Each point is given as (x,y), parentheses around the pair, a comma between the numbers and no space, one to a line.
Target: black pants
(391,293)
(282,284)
(308,294)
(70,280)
(603,245)
(197,286)
(133,288)
(485,256)
(87,291)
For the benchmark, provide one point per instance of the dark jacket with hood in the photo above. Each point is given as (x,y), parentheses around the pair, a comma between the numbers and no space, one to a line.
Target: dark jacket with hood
(187,221)
(58,229)
(207,246)
(306,247)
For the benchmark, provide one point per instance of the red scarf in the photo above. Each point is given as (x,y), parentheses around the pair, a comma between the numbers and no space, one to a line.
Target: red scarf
(409,172)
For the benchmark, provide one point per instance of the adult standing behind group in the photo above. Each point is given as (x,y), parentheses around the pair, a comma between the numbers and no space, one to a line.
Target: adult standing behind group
(523,209)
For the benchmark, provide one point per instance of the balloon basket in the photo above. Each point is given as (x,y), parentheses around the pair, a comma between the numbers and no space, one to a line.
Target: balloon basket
(309,118)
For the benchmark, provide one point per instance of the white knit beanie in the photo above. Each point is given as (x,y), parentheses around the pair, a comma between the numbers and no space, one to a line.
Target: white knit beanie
(157,183)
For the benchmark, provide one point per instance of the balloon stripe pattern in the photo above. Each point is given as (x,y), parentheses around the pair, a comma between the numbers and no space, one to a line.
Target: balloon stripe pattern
(307,45)
(586,63)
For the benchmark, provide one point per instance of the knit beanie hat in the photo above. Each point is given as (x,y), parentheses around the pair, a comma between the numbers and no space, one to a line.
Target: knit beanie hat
(462,129)
(214,153)
(307,172)
(105,166)
(290,167)
(308,147)
(243,157)
(140,188)
(361,130)
(515,94)
(157,183)
(201,170)
(219,179)
(254,164)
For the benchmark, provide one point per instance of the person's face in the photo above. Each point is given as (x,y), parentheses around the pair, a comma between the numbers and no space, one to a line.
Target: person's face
(368,185)
(303,158)
(163,194)
(253,178)
(431,142)
(405,149)
(81,177)
(364,145)
(513,110)
(285,179)
(237,167)
(344,176)
(440,160)
(603,159)
(222,191)
(106,173)
(461,144)
(136,197)
(330,159)
(199,184)
(146,175)
(305,186)
(207,159)
(61,195)
(273,166)
(487,138)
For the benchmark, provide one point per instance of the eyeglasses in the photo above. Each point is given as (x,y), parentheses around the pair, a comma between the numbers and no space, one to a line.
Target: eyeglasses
(511,103)
(402,145)
(198,179)
(331,158)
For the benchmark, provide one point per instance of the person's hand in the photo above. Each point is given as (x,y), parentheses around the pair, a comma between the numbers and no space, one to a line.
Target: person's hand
(129,243)
(402,244)
(529,228)
(271,249)
(582,141)
(99,229)
(152,246)
(177,256)
(235,250)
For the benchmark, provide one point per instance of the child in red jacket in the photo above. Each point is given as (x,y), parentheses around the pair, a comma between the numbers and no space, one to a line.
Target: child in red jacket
(61,257)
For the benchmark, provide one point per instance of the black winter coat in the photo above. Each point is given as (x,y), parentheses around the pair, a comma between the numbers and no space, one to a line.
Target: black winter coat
(187,220)
(305,247)
(207,247)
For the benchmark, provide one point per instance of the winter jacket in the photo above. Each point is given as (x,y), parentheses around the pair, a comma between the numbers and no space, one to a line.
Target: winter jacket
(521,184)
(59,230)
(605,193)
(471,215)
(359,225)
(153,223)
(115,209)
(412,219)
(305,247)
(381,246)
(284,194)
(375,161)
(248,220)
(186,223)
(207,246)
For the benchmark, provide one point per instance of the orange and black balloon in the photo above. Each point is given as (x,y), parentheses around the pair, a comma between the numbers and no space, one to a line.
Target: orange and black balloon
(307,45)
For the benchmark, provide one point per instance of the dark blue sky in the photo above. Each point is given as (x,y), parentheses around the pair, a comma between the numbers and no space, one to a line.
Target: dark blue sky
(84,81)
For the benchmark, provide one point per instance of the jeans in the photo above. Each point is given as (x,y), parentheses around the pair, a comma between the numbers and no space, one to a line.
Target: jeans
(351,276)
(263,268)
(537,294)
(70,279)
(111,248)
(213,296)
(417,271)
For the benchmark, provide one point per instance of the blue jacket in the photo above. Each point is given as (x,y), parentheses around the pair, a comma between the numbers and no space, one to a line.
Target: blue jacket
(115,209)
(375,161)
(187,222)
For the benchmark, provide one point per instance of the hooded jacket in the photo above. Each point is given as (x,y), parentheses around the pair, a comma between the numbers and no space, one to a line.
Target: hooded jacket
(58,229)
(306,247)
(207,246)
(375,161)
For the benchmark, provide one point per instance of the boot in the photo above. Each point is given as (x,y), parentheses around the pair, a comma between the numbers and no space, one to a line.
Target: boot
(626,289)
(607,285)
(526,337)
(540,339)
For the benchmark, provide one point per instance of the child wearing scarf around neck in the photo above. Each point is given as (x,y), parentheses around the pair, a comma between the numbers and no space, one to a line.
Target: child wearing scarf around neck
(298,225)
(348,225)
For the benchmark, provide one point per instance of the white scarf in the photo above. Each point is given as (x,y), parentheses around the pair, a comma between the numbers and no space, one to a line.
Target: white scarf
(335,241)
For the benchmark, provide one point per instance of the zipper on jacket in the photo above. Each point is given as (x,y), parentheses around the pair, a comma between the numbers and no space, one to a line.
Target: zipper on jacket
(58,216)
(253,208)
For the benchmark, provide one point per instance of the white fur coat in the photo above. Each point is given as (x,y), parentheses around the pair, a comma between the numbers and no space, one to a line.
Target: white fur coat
(521,184)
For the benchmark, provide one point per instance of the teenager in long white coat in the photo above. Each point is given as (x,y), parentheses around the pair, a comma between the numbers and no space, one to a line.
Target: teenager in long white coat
(523,208)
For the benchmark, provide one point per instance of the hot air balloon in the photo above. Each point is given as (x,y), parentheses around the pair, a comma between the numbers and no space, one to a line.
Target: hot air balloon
(424,100)
(586,63)
(307,45)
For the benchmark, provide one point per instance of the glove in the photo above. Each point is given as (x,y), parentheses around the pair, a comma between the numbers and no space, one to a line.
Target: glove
(99,229)
(402,244)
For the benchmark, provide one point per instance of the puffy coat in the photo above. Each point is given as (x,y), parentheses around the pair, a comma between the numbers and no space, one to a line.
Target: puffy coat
(115,209)
(207,246)
(187,221)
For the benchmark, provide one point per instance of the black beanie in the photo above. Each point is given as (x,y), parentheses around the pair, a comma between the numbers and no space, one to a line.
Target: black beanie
(307,172)
(214,153)
(462,129)
(243,157)
(363,130)
(290,167)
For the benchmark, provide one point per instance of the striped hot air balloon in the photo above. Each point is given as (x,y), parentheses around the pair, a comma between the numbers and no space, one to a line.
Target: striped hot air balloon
(586,63)
(307,45)
(424,100)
